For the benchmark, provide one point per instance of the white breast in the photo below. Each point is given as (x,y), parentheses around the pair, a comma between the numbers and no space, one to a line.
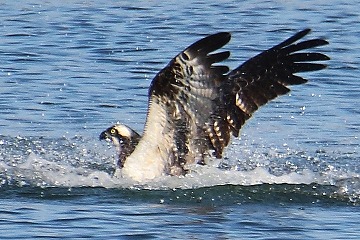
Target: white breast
(150,157)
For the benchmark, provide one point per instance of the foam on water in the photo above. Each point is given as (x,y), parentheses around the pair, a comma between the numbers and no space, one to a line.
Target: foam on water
(41,172)
(79,162)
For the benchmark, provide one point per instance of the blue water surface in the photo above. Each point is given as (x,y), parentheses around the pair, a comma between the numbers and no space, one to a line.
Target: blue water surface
(70,69)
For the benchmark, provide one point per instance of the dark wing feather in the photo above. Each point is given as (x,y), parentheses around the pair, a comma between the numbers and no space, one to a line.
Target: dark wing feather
(203,106)
(188,88)
(260,79)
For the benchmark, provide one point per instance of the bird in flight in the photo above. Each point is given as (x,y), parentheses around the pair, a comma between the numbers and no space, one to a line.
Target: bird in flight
(196,104)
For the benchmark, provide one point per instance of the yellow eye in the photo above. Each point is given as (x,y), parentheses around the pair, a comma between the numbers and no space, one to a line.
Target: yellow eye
(113,131)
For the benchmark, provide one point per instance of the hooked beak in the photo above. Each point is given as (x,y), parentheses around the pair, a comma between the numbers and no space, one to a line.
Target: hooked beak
(104,136)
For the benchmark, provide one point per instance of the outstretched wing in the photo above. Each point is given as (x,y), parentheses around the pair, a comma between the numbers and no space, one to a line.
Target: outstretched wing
(195,106)
(182,97)
(260,79)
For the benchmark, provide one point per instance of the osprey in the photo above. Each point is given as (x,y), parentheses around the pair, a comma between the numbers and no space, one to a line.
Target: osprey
(196,104)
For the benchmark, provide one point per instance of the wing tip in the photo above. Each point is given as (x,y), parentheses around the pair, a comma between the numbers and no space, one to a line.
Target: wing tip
(210,43)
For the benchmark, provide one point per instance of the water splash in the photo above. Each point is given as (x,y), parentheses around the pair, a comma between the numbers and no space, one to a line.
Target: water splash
(80,162)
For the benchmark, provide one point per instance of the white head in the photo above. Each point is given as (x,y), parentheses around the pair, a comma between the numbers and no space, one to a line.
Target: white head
(124,138)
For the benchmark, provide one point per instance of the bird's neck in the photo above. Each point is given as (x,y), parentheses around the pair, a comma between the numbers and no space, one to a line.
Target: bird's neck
(125,149)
